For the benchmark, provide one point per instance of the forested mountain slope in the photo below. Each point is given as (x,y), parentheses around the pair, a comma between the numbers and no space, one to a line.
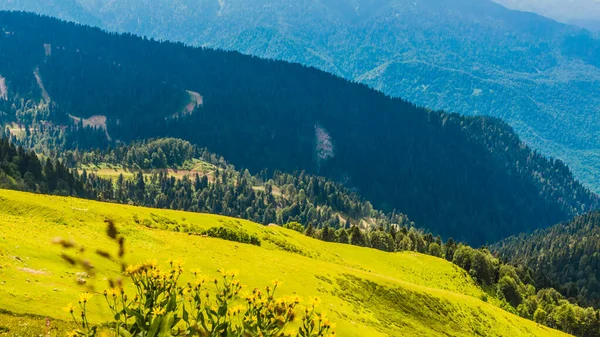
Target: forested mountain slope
(473,57)
(466,177)
(565,256)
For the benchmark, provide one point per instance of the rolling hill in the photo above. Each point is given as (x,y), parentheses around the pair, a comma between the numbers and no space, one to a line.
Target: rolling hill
(367,292)
(70,86)
(473,57)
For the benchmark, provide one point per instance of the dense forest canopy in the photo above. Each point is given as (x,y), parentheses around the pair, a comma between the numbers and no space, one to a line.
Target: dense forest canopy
(467,177)
(565,256)
(24,170)
(474,57)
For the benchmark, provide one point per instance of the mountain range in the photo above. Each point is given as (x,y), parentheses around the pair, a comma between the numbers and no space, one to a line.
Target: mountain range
(473,57)
(74,87)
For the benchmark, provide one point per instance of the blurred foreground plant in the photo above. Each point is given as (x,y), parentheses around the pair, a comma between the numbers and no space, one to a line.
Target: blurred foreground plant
(160,305)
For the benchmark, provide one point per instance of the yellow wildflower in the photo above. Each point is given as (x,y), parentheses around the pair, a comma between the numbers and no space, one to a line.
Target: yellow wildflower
(112,292)
(158,311)
(200,279)
(69,308)
(85,297)
(156,274)
(237,309)
(133,269)
(178,263)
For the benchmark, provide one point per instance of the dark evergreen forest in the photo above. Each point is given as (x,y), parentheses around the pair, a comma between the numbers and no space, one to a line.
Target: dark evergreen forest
(565,256)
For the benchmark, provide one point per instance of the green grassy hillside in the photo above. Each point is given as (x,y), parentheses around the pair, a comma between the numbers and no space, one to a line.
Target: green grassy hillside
(367,292)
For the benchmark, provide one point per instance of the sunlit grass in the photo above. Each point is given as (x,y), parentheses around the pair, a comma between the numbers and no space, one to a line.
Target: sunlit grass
(365,291)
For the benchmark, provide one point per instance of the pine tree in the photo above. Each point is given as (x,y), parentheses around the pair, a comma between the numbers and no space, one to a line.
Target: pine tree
(310,231)
(342,236)
(328,234)
(357,238)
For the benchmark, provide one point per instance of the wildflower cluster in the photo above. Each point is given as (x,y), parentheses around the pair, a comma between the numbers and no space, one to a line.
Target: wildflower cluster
(267,316)
(160,305)
(155,304)
(79,315)
(315,324)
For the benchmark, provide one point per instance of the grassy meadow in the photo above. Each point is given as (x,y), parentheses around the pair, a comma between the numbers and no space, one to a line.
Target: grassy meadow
(190,168)
(364,291)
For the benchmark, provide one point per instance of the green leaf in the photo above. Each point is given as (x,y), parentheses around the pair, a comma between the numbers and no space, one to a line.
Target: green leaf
(125,333)
(167,324)
(172,305)
(222,326)
(154,326)
(186,317)
(223,310)
(140,319)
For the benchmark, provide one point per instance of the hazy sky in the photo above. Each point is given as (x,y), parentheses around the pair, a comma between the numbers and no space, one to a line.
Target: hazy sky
(582,12)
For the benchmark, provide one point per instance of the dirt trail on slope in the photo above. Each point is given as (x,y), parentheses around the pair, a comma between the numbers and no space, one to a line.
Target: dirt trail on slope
(38,78)
(3,89)
(48,49)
